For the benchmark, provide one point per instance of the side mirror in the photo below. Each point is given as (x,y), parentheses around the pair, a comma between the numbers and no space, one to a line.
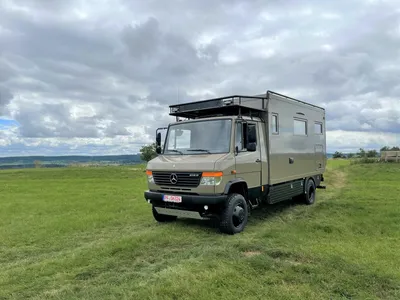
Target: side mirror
(251,147)
(251,134)
(158,139)
(251,138)
(158,143)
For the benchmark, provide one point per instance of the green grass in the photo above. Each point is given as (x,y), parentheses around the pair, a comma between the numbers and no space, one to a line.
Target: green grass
(87,233)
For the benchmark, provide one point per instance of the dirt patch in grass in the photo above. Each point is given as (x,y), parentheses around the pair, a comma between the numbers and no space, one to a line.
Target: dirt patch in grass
(292,262)
(137,169)
(339,179)
(251,253)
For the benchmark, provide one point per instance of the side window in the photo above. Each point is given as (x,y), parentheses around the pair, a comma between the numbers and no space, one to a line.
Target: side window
(318,128)
(299,127)
(239,136)
(274,124)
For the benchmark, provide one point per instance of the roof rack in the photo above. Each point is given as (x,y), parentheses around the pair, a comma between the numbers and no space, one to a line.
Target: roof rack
(223,106)
(230,105)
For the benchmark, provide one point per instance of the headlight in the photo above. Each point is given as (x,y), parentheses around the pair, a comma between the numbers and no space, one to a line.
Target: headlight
(150,178)
(211,178)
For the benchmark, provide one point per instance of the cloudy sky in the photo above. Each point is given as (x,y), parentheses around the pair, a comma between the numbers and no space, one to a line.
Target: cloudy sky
(96,77)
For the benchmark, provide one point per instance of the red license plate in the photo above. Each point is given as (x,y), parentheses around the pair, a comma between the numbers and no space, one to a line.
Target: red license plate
(171,198)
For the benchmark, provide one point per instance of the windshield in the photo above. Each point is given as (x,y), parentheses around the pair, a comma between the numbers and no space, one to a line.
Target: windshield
(199,137)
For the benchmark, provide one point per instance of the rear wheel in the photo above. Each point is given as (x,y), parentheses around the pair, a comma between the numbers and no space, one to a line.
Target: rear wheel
(162,218)
(234,215)
(309,194)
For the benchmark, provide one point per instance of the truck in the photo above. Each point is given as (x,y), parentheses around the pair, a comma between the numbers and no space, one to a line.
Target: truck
(224,157)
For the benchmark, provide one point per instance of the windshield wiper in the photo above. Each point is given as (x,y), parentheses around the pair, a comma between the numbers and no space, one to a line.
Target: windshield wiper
(200,150)
(173,150)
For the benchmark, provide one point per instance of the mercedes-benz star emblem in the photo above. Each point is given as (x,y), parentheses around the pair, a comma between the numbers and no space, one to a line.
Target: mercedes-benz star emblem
(173,178)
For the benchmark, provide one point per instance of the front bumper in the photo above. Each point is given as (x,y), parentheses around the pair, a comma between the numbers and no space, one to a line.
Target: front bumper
(187,200)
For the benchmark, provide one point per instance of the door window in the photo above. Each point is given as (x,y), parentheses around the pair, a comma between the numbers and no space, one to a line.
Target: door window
(244,131)
(239,136)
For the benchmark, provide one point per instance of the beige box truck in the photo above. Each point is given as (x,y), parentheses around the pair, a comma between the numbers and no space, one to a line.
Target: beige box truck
(226,156)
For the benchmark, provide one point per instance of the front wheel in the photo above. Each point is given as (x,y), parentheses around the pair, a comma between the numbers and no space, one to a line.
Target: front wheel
(162,218)
(234,215)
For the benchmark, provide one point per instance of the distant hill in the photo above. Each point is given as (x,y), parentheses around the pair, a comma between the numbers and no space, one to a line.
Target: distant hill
(18,162)
(64,161)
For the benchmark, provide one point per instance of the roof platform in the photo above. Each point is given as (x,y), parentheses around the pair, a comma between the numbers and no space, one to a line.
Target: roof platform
(229,105)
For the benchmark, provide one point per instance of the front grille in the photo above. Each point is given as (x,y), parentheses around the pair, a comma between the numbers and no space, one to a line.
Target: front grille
(184,179)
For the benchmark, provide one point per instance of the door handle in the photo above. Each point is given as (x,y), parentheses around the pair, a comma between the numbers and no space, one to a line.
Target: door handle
(258,160)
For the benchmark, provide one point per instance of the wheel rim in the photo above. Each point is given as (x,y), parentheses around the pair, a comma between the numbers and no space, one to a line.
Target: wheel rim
(239,214)
(311,194)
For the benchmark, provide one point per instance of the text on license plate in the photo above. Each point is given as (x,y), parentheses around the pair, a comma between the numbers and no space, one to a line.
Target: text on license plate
(171,198)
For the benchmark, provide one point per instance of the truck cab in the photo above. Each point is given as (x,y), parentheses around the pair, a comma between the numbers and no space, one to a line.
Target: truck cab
(214,163)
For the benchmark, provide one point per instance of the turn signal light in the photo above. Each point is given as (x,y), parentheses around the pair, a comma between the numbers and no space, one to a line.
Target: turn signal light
(212,174)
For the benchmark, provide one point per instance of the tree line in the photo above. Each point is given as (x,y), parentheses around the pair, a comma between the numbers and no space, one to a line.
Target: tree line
(148,152)
(365,153)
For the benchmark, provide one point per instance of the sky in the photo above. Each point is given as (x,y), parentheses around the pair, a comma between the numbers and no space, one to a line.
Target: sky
(96,77)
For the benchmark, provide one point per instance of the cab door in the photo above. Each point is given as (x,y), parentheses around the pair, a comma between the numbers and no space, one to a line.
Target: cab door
(248,155)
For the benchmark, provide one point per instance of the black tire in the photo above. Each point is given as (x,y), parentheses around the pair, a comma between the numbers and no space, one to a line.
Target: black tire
(162,218)
(310,192)
(234,215)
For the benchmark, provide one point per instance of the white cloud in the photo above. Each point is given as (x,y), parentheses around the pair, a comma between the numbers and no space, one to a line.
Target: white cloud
(330,16)
(98,76)
(350,141)
(327,47)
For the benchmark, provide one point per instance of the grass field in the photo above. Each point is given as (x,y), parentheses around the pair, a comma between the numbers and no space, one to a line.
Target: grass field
(88,233)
